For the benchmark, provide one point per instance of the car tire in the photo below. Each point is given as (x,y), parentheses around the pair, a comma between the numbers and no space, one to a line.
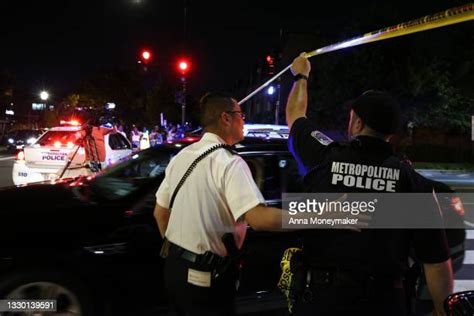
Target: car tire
(70,293)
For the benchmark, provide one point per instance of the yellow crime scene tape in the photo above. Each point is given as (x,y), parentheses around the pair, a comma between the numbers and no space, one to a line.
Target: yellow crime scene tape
(451,16)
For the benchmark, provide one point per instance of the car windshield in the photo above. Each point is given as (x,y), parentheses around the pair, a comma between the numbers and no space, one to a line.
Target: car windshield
(128,177)
(63,137)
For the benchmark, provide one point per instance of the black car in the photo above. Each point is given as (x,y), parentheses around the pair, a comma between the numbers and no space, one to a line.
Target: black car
(92,243)
(17,139)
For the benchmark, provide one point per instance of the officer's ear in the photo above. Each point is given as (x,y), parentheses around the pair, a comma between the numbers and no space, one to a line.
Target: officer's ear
(358,125)
(225,119)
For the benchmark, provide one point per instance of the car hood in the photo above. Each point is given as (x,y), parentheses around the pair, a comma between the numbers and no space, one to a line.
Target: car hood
(36,196)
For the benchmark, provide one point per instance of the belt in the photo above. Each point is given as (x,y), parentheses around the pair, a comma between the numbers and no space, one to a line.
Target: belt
(208,258)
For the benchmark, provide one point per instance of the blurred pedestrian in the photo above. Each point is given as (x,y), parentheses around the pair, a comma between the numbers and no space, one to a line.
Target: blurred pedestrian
(135,137)
(144,139)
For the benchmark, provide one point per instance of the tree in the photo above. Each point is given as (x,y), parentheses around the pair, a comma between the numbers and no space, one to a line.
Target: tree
(123,87)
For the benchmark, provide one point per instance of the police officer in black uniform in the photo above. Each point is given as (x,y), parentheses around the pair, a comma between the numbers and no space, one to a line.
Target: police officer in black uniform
(360,273)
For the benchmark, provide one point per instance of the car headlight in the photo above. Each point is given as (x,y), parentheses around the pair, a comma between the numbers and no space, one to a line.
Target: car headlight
(31,140)
(11,140)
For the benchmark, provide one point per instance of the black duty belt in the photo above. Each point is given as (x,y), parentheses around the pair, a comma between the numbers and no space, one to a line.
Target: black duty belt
(208,258)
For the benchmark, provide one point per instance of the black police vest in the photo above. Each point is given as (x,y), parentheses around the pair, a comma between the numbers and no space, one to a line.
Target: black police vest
(364,165)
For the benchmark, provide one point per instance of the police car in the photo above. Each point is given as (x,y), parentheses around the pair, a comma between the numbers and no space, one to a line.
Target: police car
(46,158)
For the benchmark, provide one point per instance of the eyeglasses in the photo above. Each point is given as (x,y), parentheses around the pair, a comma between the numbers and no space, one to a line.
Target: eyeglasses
(242,114)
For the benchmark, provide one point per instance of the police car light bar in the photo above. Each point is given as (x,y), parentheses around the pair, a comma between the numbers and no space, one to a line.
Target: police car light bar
(70,122)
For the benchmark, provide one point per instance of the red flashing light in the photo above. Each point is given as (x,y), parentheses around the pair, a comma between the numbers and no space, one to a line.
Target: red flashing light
(269,59)
(191,139)
(20,155)
(70,122)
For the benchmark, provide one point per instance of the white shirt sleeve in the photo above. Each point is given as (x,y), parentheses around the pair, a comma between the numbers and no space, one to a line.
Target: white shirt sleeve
(163,195)
(241,191)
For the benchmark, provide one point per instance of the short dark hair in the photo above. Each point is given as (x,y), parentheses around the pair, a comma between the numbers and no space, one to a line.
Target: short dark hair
(212,104)
(378,110)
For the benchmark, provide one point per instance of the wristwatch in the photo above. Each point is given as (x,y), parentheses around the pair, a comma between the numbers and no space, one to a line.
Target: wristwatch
(299,77)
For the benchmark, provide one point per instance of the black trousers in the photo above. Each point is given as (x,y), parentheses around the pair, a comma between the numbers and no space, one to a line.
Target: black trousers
(343,301)
(191,300)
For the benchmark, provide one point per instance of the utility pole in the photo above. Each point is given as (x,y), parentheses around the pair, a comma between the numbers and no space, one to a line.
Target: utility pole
(183,101)
(277,106)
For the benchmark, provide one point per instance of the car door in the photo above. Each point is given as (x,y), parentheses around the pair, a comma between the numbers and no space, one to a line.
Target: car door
(134,244)
(274,173)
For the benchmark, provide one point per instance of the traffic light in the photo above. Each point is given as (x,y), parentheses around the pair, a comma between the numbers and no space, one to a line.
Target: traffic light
(183,66)
(270,65)
(145,56)
(270,59)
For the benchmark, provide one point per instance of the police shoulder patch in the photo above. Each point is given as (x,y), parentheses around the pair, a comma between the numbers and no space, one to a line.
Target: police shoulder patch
(320,137)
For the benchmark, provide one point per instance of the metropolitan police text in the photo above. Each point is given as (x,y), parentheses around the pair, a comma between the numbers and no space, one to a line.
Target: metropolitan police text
(314,206)
(364,176)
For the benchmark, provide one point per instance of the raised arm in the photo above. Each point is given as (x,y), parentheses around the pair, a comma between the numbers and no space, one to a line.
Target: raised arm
(298,98)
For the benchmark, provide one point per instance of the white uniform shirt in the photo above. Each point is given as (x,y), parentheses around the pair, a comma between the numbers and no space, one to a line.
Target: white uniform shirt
(211,201)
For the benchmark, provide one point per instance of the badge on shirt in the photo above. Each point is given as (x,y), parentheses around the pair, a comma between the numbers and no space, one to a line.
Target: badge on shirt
(199,278)
(320,137)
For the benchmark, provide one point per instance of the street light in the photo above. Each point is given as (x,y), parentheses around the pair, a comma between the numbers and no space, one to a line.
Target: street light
(44,95)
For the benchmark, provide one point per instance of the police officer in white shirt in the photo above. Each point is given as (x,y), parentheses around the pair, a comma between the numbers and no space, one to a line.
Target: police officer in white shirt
(219,197)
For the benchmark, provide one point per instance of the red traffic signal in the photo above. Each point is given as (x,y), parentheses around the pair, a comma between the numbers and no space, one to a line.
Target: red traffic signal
(145,56)
(270,59)
(270,64)
(183,66)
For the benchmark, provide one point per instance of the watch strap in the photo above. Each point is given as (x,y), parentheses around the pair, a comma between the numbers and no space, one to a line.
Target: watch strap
(299,77)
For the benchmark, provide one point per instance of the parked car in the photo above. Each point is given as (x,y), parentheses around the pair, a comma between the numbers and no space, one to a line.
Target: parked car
(47,156)
(92,243)
(453,212)
(90,240)
(18,139)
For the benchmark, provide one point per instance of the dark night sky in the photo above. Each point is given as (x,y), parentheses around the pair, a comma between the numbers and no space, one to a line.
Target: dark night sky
(55,44)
